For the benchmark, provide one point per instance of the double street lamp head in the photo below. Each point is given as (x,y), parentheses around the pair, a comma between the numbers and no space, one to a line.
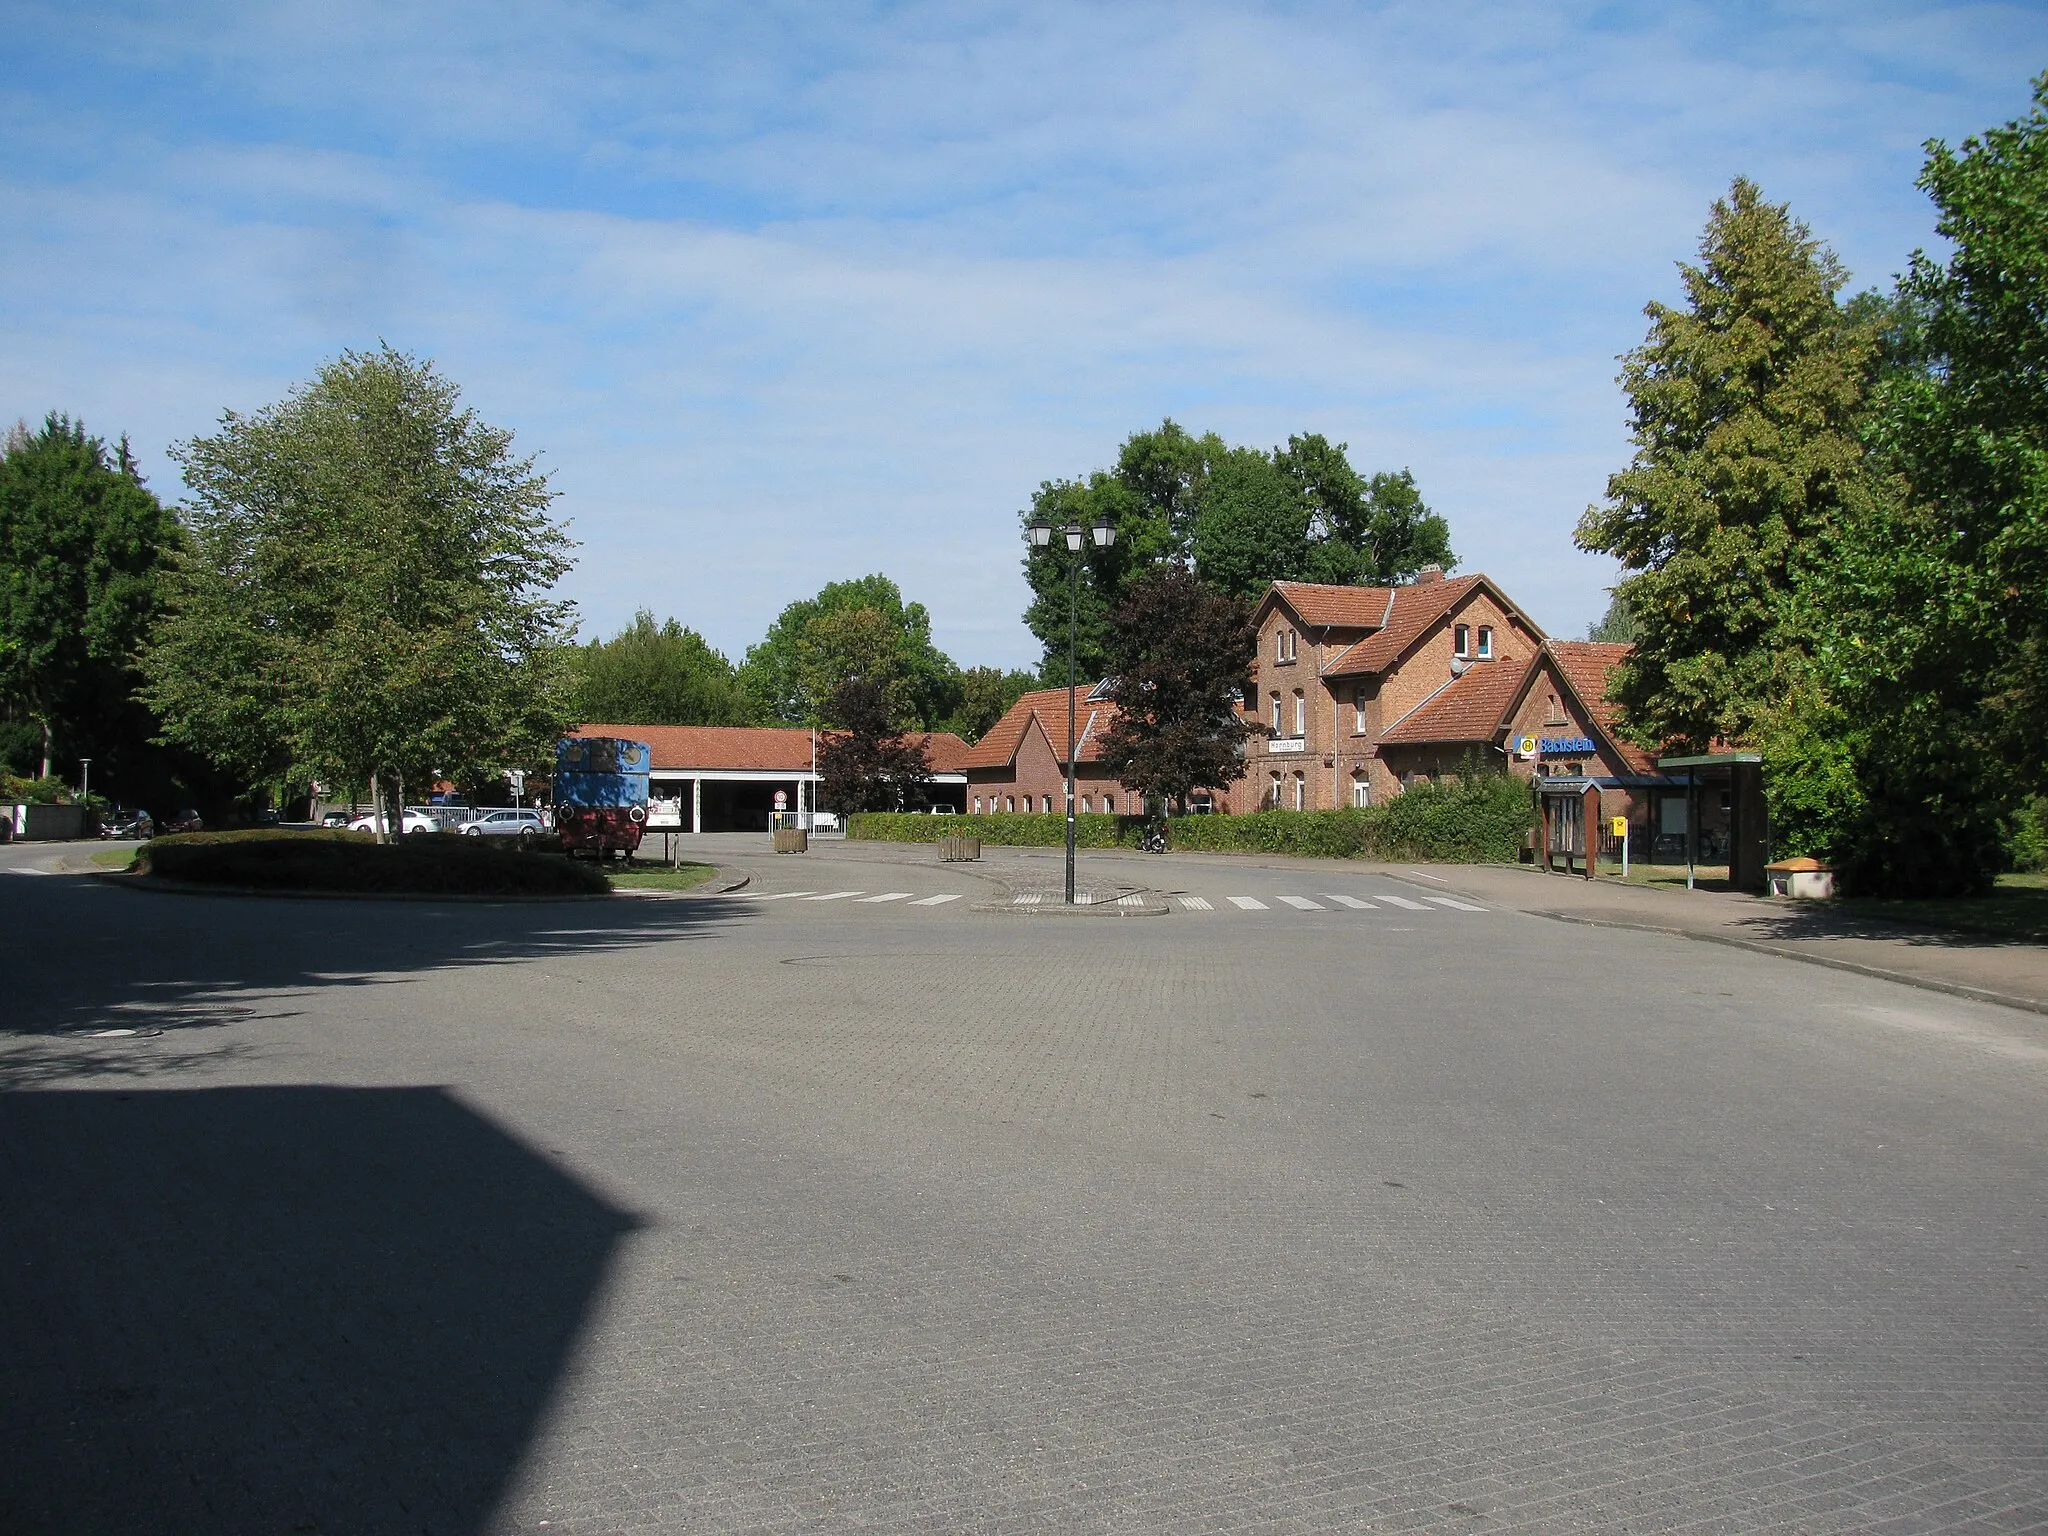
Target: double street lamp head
(1041,532)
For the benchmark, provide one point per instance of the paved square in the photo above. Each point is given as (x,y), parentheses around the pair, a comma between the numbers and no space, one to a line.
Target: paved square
(767,1212)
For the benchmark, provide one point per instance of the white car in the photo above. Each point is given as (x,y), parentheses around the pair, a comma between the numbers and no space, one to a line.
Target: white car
(824,821)
(522,824)
(411,821)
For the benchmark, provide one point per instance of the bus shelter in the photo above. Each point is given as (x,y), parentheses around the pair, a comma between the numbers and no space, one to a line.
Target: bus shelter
(1731,785)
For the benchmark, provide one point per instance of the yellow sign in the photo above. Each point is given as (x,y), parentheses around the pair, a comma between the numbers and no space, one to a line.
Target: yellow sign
(1525,747)
(1618,826)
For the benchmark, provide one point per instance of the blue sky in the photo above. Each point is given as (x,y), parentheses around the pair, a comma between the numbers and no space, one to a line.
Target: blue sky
(782,294)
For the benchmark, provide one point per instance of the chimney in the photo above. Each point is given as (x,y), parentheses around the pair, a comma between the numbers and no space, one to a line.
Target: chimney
(1429,573)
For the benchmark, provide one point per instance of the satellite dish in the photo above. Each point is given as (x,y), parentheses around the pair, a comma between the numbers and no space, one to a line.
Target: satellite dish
(1460,665)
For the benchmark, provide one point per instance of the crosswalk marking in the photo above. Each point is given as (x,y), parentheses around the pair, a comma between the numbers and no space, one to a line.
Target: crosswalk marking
(1028,899)
(1402,901)
(868,901)
(1453,902)
(1196,904)
(937,901)
(1348,901)
(1130,901)
(1248,903)
(833,896)
(1084,898)
(778,896)
(1303,904)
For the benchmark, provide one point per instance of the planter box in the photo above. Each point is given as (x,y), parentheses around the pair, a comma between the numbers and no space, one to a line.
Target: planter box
(791,840)
(959,850)
(47,823)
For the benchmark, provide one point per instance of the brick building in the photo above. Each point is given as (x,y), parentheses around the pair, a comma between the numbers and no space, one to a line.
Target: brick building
(1359,693)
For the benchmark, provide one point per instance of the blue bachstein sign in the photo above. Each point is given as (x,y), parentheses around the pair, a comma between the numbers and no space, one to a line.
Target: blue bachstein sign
(1555,746)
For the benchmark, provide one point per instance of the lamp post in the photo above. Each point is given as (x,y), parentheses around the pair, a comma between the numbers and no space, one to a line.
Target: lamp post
(1104,534)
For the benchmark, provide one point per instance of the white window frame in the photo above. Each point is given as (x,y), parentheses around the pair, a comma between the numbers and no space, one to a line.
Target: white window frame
(1461,640)
(1276,712)
(1273,796)
(1358,710)
(1300,713)
(1301,791)
(1361,789)
(1486,642)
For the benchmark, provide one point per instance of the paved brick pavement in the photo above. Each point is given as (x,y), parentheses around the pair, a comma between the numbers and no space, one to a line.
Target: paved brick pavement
(684,1216)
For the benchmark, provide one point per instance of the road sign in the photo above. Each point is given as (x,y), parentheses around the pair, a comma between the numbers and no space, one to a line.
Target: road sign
(781,798)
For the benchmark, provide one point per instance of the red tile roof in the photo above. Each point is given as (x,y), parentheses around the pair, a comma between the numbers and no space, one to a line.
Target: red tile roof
(785,749)
(1334,607)
(1586,666)
(1413,610)
(1473,708)
(1048,707)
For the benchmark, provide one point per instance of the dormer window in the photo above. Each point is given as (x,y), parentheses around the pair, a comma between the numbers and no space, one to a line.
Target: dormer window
(1486,642)
(1462,637)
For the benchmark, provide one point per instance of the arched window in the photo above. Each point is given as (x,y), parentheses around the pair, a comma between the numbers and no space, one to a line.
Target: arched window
(1301,792)
(1300,713)
(1273,793)
(1012,806)
(1361,788)
(1276,712)
(977,805)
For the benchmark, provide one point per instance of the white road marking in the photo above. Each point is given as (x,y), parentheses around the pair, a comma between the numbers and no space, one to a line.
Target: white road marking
(1130,901)
(1027,901)
(1452,901)
(1303,904)
(1196,904)
(833,896)
(778,896)
(1248,903)
(1084,898)
(887,896)
(1402,901)
(937,901)
(1418,874)
(1348,901)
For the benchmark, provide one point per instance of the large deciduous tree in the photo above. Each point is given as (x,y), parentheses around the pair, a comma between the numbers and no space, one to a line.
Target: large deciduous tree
(649,674)
(1938,597)
(1745,411)
(986,694)
(82,545)
(868,764)
(1239,517)
(364,597)
(1183,656)
(861,628)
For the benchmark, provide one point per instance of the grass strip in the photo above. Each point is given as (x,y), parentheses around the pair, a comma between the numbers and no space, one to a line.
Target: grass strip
(637,877)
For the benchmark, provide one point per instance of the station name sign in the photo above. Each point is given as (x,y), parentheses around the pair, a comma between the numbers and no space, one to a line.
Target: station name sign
(1556,746)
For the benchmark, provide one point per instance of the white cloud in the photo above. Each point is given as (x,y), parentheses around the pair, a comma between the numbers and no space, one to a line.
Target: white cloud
(789,294)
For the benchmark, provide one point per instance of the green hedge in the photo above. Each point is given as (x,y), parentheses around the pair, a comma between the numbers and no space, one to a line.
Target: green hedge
(1017,829)
(420,864)
(1463,821)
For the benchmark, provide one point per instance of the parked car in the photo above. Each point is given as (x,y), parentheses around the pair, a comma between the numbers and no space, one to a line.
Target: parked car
(825,821)
(524,825)
(185,821)
(410,821)
(121,822)
(336,819)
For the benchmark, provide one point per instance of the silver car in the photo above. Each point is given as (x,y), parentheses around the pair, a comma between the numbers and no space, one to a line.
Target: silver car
(522,824)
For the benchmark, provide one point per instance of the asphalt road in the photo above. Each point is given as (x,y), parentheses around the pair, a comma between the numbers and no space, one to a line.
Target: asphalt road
(724,1214)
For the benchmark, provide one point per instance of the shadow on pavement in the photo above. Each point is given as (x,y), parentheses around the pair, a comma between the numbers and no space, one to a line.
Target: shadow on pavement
(278,1309)
(88,965)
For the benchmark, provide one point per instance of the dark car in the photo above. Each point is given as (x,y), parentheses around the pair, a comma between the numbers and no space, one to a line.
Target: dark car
(121,822)
(185,821)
